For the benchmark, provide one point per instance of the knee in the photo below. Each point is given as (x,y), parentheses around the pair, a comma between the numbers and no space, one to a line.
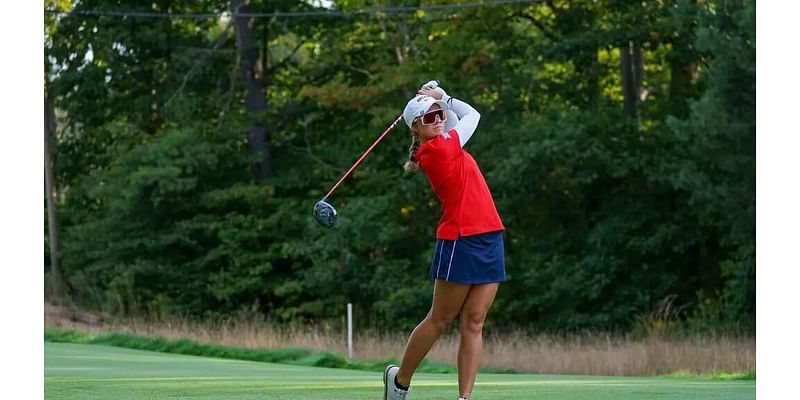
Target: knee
(472,323)
(441,321)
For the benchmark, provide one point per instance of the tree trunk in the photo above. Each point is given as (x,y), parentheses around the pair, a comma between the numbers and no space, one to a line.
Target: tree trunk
(638,70)
(631,71)
(51,193)
(253,69)
(398,49)
(683,76)
(683,67)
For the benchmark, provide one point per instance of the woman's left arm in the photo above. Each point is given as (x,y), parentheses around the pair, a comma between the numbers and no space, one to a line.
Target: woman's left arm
(468,117)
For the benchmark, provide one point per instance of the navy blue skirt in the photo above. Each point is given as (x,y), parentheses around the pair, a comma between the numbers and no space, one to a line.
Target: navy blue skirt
(470,260)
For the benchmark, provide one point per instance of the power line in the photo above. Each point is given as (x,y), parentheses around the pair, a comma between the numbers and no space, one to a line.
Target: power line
(291,14)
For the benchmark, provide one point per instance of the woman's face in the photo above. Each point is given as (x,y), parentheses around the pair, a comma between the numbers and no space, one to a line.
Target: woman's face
(428,132)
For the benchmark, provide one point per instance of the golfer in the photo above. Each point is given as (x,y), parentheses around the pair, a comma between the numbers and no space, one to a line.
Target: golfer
(468,258)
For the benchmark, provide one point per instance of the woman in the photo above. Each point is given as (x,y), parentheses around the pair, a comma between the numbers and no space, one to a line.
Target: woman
(468,260)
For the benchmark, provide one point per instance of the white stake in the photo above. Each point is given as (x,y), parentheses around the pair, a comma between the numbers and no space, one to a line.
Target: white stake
(350,330)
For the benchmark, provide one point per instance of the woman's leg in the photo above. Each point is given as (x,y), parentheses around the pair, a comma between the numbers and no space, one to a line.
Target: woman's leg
(448,297)
(476,306)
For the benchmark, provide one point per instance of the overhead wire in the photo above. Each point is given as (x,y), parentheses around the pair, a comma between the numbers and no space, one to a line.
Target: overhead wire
(125,14)
(289,14)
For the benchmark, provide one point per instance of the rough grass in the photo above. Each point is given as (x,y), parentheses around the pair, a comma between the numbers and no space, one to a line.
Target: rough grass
(599,354)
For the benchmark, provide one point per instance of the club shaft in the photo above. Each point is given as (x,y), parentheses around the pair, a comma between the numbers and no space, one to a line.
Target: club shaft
(360,159)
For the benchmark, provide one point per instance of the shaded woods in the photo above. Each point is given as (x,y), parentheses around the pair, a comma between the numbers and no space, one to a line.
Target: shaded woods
(618,139)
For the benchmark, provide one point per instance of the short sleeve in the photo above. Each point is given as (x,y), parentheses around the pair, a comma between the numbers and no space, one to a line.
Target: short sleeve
(442,149)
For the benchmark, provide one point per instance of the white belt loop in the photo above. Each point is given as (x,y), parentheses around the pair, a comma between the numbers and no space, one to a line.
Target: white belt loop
(451,260)
(440,256)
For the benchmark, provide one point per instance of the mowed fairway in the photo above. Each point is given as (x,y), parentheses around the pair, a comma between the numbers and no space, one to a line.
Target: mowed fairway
(75,371)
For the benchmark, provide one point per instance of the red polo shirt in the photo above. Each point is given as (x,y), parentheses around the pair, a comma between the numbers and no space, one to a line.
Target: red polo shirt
(467,205)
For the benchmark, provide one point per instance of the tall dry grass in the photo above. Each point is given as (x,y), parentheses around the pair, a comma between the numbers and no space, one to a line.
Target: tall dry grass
(599,354)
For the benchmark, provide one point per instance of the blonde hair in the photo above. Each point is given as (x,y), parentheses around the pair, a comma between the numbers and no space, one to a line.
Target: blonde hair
(412,164)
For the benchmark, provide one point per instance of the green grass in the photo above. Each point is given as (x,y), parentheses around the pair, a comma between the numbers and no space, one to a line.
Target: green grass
(741,376)
(83,371)
(721,376)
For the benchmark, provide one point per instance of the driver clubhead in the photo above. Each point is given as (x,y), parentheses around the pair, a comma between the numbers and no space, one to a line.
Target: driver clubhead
(325,214)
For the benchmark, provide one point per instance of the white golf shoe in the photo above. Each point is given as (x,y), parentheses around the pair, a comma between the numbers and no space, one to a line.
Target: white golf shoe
(390,390)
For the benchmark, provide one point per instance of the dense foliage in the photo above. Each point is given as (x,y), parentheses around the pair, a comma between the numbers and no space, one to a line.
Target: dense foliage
(618,139)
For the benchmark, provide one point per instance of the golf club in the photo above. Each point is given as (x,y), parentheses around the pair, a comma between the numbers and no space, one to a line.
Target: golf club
(324,212)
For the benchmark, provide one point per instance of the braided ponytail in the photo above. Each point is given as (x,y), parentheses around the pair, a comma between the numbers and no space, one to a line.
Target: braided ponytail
(412,164)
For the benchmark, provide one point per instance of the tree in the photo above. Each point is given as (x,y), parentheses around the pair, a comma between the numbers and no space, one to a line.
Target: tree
(631,70)
(618,189)
(253,70)
(51,192)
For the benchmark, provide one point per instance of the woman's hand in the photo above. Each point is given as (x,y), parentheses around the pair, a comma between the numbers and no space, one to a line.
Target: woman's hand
(432,89)
(436,93)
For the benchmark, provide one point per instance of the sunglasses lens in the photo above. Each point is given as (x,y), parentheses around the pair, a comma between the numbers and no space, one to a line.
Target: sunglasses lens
(430,118)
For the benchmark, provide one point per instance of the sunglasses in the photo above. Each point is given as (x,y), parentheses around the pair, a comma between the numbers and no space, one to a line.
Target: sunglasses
(429,118)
